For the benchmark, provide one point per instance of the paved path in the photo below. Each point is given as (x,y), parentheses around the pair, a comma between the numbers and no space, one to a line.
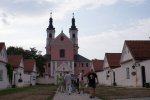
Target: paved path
(76,96)
(73,96)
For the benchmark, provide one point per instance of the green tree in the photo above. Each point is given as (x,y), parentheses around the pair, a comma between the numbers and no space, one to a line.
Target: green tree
(9,72)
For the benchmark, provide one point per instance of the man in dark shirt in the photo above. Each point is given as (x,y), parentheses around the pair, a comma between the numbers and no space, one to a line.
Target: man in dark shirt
(92,80)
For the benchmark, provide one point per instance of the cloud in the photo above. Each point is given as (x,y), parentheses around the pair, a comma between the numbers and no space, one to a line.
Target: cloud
(112,40)
(74,5)
(25,7)
(135,1)
(60,8)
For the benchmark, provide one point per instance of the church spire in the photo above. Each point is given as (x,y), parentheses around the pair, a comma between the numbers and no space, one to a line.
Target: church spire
(73,26)
(50,27)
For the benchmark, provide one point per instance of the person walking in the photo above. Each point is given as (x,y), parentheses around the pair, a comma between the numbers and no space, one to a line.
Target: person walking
(61,83)
(73,83)
(68,79)
(77,83)
(92,79)
(81,82)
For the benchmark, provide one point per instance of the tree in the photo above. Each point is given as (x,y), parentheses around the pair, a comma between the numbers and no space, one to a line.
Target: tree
(9,72)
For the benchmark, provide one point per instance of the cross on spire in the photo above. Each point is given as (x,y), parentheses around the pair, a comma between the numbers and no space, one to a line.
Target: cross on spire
(51,14)
(51,22)
(73,14)
(73,26)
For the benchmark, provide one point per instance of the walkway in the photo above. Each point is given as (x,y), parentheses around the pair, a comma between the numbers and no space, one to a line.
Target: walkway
(73,96)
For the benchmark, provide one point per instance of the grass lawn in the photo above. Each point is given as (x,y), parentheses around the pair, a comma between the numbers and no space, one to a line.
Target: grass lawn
(43,92)
(109,93)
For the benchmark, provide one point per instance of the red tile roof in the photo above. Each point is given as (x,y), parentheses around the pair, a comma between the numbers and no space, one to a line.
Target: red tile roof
(14,60)
(113,59)
(29,65)
(139,49)
(2,44)
(98,65)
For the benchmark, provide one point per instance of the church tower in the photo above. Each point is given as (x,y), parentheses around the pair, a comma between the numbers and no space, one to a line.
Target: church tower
(74,35)
(50,35)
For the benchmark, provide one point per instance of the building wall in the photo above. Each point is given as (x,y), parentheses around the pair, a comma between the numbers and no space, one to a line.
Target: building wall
(3,55)
(33,78)
(18,73)
(4,83)
(146,64)
(57,45)
(126,55)
(85,66)
(131,81)
(102,77)
(105,65)
(26,80)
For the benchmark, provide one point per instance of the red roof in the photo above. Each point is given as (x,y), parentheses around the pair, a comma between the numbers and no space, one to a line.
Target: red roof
(113,59)
(139,49)
(14,60)
(98,65)
(29,65)
(2,44)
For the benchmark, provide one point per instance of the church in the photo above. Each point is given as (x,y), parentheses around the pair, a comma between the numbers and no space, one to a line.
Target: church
(62,52)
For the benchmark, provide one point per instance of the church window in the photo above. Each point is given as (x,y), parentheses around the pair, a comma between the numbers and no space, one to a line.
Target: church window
(73,35)
(128,73)
(62,38)
(1,75)
(75,64)
(82,64)
(62,53)
(87,65)
(50,35)
(49,64)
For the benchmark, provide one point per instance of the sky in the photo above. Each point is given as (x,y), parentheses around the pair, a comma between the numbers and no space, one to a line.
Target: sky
(103,25)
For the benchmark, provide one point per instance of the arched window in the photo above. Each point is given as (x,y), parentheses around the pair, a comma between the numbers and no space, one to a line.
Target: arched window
(73,35)
(62,53)
(50,35)
(75,64)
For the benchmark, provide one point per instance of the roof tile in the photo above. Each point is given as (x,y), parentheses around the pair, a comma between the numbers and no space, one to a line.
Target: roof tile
(140,49)
(14,60)
(113,59)
(98,65)
(29,65)
(2,44)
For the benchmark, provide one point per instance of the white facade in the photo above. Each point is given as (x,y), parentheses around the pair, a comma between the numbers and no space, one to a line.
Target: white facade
(30,77)
(4,81)
(18,75)
(130,74)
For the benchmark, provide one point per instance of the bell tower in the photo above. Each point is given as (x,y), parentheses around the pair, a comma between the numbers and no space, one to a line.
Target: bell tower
(74,35)
(50,35)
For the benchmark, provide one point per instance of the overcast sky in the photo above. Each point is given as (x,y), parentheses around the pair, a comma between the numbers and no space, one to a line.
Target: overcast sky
(103,24)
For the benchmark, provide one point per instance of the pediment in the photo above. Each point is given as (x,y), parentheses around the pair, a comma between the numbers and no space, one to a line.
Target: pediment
(63,67)
(126,54)
(105,64)
(62,39)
